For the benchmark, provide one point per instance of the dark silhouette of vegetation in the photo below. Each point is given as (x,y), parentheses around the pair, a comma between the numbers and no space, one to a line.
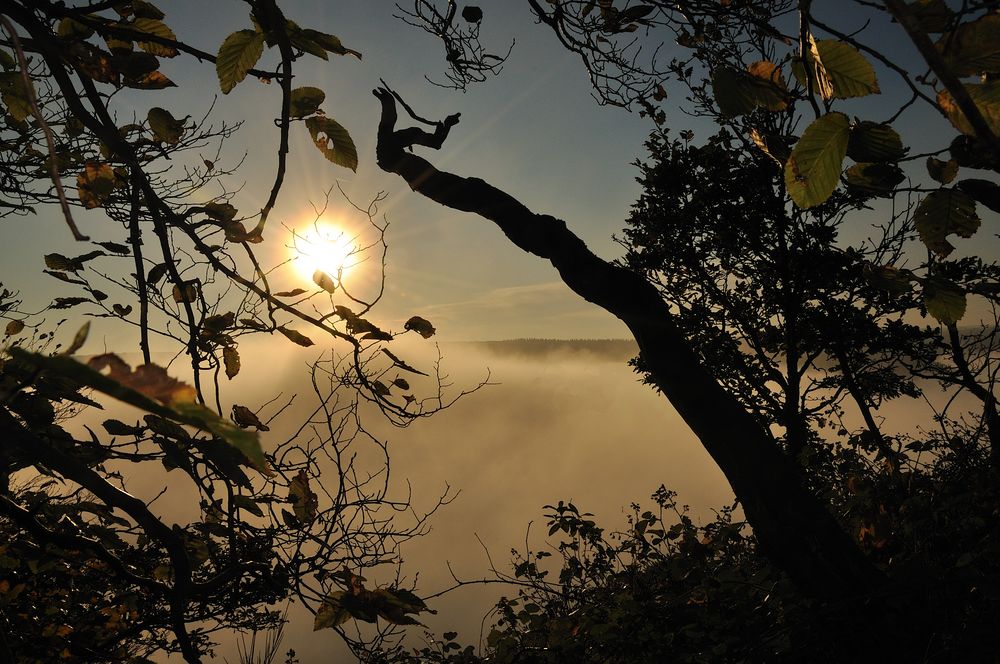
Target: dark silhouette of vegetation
(90,572)
(780,341)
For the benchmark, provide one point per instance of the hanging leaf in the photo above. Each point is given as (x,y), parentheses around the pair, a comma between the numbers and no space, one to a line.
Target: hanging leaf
(156,273)
(874,142)
(78,339)
(942,213)
(983,191)
(154,80)
(305,101)
(95,185)
(295,337)
(331,613)
(14,327)
(421,326)
(292,293)
(944,300)
(14,95)
(838,70)
(733,93)
(188,292)
(164,126)
(305,502)
(329,43)
(145,9)
(244,417)
(973,48)
(231,358)
(874,179)
(401,383)
(986,97)
(237,55)
(220,211)
(333,141)
(122,310)
(70,28)
(813,169)
(247,503)
(768,85)
(152,26)
(324,281)
(942,171)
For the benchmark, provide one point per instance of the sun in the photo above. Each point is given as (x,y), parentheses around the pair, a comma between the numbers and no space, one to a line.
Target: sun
(324,247)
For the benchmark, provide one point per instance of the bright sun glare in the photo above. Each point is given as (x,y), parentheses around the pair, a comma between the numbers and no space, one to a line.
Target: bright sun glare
(325,248)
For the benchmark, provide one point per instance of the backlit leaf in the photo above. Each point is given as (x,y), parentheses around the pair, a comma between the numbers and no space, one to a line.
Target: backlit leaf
(942,171)
(873,142)
(237,55)
(874,179)
(294,336)
(14,327)
(888,278)
(292,293)
(14,95)
(95,185)
(305,502)
(932,15)
(231,358)
(983,191)
(974,47)
(305,101)
(986,97)
(164,126)
(324,281)
(942,213)
(944,300)
(333,141)
(839,71)
(152,26)
(813,169)
(331,613)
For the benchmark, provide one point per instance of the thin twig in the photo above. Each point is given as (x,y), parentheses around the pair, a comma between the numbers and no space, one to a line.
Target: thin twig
(29,89)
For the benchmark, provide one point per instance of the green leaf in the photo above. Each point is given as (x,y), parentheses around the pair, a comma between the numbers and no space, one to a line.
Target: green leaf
(152,26)
(70,28)
(164,126)
(333,141)
(177,397)
(237,55)
(305,101)
(944,300)
(872,142)
(942,171)
(14,95)
(839,70)
(974,47)
(813,169)
(986,97)
(874,179)
(329,43)
(942,213)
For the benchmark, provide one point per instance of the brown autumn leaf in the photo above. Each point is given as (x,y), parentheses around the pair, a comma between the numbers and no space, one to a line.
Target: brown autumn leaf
(245,417)
(295,337)
(149,380)
(231,358)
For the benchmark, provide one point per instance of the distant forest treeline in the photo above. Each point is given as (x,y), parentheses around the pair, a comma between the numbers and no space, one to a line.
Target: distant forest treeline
(607,349)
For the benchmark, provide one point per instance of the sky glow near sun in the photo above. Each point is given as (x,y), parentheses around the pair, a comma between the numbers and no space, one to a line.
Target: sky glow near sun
(323,246)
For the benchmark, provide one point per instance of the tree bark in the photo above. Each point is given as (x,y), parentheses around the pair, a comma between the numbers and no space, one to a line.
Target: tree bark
(793,528)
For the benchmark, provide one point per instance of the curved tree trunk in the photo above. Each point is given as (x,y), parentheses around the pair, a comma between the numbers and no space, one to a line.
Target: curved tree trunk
(793,528)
